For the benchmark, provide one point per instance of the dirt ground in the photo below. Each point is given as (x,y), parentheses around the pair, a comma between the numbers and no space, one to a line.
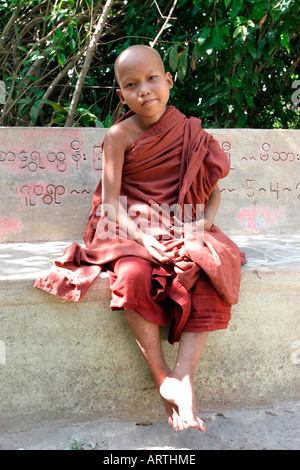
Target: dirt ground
(276,428)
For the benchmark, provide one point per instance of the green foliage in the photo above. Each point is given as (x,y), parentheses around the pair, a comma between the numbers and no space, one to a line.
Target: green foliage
(242,62)
(78,444)
(234,62)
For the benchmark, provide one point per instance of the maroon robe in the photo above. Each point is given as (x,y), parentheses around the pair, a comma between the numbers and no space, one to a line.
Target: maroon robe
(173,162)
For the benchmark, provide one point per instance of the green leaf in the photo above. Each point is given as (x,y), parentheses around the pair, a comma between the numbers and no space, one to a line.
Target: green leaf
(242,119)
(197,52)
(59,107)
(37,92)
(108,121)
(236,7)
(25,100)
(237,56)
(173,57)
(215,99)
(37,105)
(31,77)
(237,31)
(33,114)
(73,44)
(209,46)
(227,3)
(251,49)
(196,9)
(203,35)
(217,38)
(240,30)
(236,82)
(241,71)
(23,105)
(182,65)
(44,100)
(70,31)
(61,58)
(59,34)
(58,120)
(258,11)
(285,41)
(250,100)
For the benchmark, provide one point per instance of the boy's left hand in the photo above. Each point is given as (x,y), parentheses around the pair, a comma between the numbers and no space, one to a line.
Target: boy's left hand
(180,227)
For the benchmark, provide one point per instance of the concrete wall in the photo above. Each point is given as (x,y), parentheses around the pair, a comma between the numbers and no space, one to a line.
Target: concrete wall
(48,176)
(262,190)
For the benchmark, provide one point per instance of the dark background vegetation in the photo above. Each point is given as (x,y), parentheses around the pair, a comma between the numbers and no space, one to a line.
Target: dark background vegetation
(235,63)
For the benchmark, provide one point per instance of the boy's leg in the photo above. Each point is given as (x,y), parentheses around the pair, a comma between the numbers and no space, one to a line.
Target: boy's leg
(147,336)
(178,387)
(208,313)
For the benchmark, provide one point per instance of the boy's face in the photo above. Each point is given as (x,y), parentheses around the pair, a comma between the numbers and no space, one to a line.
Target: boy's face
(144,85)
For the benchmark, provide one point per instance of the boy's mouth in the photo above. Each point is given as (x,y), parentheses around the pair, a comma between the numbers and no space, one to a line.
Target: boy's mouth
(148,101)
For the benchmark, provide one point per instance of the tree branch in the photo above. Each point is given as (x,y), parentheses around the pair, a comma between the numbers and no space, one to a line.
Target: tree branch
(8,26)
(152,44)
(89,55)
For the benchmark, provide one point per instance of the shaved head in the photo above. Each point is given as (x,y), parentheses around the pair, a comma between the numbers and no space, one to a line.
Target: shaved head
(134,51)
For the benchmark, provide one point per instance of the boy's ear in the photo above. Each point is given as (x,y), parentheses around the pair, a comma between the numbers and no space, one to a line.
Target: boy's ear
(120,95)
(169,80)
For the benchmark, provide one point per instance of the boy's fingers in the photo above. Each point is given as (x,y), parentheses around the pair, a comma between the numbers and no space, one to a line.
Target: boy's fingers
(160,255)
(160,246)
(178,222)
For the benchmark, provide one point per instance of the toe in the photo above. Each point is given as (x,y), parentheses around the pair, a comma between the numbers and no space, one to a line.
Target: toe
(201,425)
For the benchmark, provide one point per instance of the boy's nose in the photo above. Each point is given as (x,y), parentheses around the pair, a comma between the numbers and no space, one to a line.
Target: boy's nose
(144,90)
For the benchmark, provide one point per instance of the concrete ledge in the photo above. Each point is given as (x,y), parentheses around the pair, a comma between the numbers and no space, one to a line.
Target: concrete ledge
(65,358)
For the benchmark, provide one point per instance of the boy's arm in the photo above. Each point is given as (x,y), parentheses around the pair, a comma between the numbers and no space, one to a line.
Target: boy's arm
(212,208)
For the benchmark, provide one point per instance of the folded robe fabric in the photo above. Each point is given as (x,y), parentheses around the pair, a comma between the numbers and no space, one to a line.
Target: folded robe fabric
(174,162)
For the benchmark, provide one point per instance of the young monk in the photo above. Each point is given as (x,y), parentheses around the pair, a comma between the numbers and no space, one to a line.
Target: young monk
(156,157)
(145,89)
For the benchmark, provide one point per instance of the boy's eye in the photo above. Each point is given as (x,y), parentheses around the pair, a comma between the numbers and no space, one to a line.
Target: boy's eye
(129,85)
(152,77)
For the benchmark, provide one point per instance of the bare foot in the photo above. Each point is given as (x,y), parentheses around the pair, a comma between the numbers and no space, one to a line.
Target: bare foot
(182,394)
(174,419)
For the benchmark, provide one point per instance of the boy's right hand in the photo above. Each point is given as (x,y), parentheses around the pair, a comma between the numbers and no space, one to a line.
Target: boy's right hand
(156,249)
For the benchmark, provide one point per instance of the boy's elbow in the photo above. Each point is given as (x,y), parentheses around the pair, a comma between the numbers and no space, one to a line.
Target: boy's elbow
(216,191)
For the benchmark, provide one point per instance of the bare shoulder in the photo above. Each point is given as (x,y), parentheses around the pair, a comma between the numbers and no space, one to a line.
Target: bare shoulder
(115,138)
(123,133)
(120,136)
